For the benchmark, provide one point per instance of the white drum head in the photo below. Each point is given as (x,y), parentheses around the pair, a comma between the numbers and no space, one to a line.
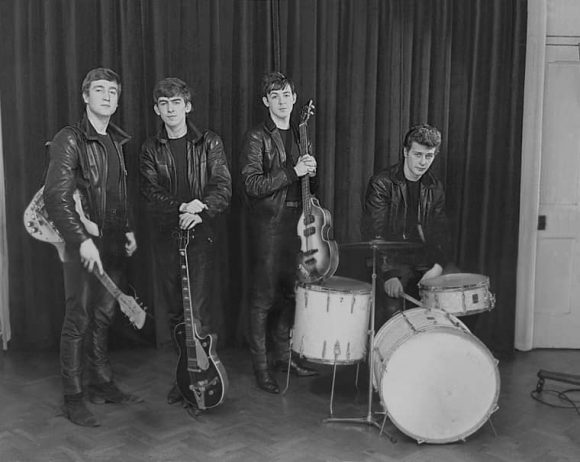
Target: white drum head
(439,385)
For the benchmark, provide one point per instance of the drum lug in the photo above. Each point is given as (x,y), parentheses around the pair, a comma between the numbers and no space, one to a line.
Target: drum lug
(347,351)
(336,349)
(491,298)
(324,350)
(408,322)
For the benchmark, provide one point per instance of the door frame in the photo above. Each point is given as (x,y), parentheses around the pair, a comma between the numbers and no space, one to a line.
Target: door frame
(530,172)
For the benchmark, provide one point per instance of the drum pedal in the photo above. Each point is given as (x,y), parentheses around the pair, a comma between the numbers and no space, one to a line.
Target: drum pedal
(556,376)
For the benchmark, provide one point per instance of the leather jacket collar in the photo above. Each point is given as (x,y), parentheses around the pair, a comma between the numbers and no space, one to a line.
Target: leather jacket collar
(90,133)
(193,134)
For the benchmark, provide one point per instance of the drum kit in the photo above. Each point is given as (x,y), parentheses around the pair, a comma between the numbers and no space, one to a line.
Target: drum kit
(436,381)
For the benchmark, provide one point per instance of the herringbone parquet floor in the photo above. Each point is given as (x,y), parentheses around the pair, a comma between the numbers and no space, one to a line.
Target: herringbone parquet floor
(254,426)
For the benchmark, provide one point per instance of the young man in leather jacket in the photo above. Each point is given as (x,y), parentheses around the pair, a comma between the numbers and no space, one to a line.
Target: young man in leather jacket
(89,157)
(186,184)
(406,202)
(271,169)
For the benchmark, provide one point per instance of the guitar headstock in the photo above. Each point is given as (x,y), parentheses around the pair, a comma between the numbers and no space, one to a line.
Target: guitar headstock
(183,237)
(307,111)
(133,310)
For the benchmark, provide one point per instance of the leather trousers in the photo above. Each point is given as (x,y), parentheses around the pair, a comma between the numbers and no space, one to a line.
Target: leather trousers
(201,255)
(275,245)
(89,311)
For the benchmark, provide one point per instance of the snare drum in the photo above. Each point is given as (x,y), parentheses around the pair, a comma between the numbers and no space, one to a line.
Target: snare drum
(437,382)
(460,294)
(332,320)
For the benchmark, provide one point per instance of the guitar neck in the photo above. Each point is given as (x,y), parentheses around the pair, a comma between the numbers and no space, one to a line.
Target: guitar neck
(108,283)
(188,314)
(303,144)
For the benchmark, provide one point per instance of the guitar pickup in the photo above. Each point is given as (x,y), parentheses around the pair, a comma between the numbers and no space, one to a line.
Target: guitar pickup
(309,231)
(308,219)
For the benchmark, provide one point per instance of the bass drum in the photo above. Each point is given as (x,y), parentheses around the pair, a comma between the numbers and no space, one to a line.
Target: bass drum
(332,321)
(437,382)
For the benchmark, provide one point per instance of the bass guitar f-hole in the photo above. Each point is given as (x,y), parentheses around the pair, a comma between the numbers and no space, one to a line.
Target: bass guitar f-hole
(318,257)
(200,375)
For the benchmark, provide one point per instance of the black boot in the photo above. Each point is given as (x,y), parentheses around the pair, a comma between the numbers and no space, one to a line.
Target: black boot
(297,368)
(75,410)
(174,395)
(266,381)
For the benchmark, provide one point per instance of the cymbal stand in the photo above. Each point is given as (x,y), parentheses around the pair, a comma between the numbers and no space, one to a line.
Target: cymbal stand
(368,419)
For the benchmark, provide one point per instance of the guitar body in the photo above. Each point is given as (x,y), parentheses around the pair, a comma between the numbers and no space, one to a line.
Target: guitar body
(318,257)
(39,225)
(203,389)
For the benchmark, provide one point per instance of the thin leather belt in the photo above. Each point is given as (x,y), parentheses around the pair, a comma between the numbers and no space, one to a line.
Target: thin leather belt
(293,204)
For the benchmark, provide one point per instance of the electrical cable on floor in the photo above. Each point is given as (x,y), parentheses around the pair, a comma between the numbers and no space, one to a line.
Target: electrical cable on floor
(561,395)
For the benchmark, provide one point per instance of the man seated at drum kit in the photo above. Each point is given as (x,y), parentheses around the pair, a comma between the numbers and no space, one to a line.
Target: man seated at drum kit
(406,202)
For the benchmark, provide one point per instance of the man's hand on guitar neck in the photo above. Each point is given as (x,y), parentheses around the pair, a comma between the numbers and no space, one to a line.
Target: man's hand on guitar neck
(90,256)
(189,220)
(306,165)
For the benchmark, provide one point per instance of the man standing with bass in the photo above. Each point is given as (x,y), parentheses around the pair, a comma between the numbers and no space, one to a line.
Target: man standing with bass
(271,169)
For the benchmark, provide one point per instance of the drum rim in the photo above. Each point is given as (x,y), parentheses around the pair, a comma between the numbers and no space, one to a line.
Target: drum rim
(334,291)
(462,436)
(331,362)
(483,283)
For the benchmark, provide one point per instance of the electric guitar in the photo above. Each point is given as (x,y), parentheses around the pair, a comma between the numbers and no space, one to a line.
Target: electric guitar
(40,226)
(200,375)
(318,257)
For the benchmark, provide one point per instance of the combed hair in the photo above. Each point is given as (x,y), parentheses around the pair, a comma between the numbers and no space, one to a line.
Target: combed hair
(170,87)
(100,73)
(274,81)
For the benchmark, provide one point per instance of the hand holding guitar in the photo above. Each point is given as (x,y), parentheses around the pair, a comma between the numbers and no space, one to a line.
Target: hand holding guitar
(189,220)
(90,256)
(306,165)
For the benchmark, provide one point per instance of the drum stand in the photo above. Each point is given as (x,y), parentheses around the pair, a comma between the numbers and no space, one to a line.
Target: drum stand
(368,419)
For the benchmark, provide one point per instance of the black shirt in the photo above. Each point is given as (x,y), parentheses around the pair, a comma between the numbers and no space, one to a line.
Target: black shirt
(411,224)
(294,193)
(178,148)
(114,204)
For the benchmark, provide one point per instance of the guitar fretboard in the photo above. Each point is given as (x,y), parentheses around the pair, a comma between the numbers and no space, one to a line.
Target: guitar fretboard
(188,314)
(108,283)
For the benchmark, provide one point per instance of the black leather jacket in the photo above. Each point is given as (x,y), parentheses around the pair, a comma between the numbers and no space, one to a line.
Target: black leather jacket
(385,211)
(208,174)
(265,176)
(78,160)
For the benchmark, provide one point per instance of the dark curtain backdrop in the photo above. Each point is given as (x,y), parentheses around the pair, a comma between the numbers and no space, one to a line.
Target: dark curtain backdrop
(372,67)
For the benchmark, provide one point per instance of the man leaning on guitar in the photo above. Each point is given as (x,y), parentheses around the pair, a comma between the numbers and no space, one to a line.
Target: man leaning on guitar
(186,184)
(88,157)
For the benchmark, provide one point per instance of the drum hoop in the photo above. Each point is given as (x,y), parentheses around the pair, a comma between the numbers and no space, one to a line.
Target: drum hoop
(493,406)
(464,287)
(311,288)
